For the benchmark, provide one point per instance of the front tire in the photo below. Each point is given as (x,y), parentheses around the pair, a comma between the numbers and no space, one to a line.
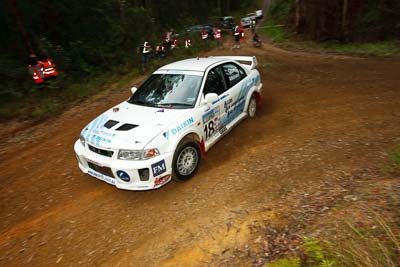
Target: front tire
(252,108)
(186,161)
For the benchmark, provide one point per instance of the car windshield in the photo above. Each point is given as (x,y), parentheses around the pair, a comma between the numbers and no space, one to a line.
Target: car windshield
(168,90)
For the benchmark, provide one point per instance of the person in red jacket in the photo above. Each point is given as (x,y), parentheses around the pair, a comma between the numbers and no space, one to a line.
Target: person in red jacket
(218,37)
(49,68)
(204,34)
(241,31)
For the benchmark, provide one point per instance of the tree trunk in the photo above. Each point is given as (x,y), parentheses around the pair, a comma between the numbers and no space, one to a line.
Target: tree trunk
(13,7)
(344,20)
(228,5)
(298,16)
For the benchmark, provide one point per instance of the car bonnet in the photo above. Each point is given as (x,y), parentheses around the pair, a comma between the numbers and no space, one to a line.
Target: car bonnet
(128,126)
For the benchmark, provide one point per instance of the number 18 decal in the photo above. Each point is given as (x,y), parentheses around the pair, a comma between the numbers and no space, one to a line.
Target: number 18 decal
(209,129)
(211,123)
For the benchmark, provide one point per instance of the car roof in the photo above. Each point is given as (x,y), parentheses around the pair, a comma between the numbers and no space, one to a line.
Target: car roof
(192,64)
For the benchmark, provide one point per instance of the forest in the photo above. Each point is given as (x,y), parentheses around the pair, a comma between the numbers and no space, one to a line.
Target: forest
(342,20)
(88,39)
(86,36)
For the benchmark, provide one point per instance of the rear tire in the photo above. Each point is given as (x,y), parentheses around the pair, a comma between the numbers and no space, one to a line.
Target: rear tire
(252,108)
(186,160)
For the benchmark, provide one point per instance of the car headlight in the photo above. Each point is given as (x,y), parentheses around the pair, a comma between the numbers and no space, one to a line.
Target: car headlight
(138,154)
(82,139)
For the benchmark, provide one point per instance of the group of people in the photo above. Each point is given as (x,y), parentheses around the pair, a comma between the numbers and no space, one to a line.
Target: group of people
(238,33)
(216,34)
(170,42)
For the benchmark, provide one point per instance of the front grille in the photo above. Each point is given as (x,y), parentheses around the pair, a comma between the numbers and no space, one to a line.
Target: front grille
(103,152)
(103,170)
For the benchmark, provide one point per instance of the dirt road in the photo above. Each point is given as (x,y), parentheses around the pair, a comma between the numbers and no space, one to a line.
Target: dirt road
(323,116)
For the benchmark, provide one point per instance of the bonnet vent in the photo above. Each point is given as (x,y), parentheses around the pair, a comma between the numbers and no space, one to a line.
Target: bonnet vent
(109,124)
(126,127)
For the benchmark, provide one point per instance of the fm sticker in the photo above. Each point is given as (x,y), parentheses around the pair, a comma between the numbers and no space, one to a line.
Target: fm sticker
(158,168)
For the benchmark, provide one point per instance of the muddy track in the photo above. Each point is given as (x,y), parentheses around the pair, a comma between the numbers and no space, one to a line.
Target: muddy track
(322,115)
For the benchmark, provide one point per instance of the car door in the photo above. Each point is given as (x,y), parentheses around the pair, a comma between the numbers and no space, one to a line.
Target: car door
(233,100)
(215,83)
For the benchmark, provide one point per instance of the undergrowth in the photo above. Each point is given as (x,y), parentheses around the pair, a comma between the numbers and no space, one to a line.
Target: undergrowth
(274,25)
(377,245)
(394,161)
(38,102)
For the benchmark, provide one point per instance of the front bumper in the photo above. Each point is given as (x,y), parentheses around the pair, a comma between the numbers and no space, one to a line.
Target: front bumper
(107,169)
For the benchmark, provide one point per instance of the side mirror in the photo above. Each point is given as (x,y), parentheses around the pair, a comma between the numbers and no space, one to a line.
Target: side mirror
(133,90)
(210,98)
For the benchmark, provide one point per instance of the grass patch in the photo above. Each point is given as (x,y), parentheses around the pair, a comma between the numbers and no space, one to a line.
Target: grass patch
(394,157)
(277,16)
(387,48)
(275,32)
(371,245)
(286,262)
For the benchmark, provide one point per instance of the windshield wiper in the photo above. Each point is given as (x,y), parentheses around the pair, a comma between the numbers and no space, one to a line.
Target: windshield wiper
(174,104)
(141,102)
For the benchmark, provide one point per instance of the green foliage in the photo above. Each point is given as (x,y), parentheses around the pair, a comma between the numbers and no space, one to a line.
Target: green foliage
(361,21)
(285,262)
(388,48)
(92,43)
(280,11)
(375,245)
(378,20)
(394,157)
(274,26)
(315,254)
(275,32)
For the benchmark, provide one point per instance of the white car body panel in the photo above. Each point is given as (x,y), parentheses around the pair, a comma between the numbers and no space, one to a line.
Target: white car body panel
(259,14)
(163,128)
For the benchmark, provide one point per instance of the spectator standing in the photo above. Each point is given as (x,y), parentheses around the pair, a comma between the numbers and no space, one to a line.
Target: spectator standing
(188,43)
(218,37)
(145,50)
(237,35)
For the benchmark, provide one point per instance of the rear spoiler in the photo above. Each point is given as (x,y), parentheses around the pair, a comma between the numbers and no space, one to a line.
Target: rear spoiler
(252,60)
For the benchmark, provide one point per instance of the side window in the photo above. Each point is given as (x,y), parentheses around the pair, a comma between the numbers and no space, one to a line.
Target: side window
(234,73)
(215,82)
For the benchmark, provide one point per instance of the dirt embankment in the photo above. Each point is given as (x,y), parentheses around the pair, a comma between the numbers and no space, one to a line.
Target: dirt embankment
(318,140)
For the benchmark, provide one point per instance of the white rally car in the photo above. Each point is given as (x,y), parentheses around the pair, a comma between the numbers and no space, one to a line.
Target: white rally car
(174,117)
